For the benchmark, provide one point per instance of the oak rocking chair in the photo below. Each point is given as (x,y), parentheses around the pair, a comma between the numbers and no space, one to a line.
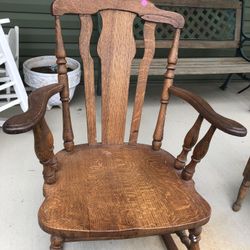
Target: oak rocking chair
(112,189)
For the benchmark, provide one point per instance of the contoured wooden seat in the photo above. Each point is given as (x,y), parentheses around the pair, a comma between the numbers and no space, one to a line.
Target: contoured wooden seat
(112,189)
(119,191)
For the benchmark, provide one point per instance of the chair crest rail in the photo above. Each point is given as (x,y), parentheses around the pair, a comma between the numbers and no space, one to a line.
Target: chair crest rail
(61,7)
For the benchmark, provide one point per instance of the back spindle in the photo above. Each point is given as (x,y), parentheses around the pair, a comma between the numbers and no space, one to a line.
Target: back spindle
(168,82)
(200,151)
(68,136)
(88,72)
(149,44)
(189,141)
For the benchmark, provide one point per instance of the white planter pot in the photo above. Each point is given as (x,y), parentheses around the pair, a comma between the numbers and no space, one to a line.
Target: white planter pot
(38,80)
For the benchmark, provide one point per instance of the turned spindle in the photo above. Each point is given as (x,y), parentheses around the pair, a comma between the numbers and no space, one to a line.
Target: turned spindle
(168,82)
(44,145)
(194,236)
(184,238)
(189,141)
(200,151)
(244,187)
(68,136)
(56,243)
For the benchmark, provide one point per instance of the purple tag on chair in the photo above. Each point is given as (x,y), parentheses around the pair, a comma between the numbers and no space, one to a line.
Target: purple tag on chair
(144,2)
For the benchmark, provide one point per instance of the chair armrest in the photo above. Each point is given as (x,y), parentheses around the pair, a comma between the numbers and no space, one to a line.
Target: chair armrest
(37,107)
(206,111)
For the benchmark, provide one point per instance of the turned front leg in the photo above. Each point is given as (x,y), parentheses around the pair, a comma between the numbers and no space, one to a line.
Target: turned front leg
(184,238)
(56,243)
(194,236)
(44,145)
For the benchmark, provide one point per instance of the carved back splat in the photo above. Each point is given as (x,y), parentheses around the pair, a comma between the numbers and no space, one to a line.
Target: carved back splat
(116,48)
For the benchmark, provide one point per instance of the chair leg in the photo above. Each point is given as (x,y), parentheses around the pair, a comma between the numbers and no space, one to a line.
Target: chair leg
(194,236)
(245,185)
(184,238)
(224,85)
(169,242)
(56,243)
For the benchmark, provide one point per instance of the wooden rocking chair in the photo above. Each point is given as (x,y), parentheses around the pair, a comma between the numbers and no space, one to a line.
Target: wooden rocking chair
(112,189)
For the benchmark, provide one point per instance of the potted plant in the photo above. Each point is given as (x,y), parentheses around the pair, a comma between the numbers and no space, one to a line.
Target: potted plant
(41,71)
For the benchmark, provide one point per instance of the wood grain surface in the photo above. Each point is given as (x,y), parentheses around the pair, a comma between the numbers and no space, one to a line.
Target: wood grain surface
(189,141)
(88,69)
(200,151)
(119,191)
(60,7)
(149,40)
(168,82)
(113,190)
(68,136)
(116,48)
(244,188)
(197,66)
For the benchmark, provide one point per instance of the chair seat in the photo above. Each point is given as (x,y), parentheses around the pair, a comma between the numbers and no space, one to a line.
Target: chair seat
(118,191)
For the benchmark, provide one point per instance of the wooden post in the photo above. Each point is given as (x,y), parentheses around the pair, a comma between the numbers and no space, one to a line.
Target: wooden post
(195,237)
(56,242)
(44,145)
(168,82)
(189,141)
(200,151)
(68,136)
(184,238)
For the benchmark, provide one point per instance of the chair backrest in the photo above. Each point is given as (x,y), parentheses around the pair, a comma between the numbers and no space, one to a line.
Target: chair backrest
(13,40)
(116,49)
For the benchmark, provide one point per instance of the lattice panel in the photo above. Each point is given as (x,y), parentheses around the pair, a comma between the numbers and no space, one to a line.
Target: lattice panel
(201,24)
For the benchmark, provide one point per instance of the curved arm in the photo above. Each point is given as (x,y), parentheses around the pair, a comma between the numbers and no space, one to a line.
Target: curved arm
(206,111)
(37,107)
